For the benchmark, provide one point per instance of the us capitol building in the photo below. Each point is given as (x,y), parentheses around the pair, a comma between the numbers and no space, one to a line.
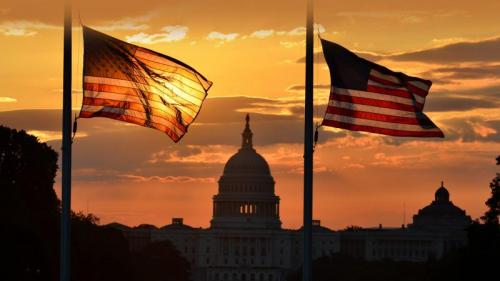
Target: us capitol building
(245,240)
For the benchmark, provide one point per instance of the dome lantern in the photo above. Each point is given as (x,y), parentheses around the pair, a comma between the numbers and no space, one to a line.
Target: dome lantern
(442,195)
(247,135)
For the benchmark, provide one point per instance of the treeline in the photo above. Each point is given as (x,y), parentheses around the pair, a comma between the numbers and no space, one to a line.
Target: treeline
(477,262)
(29,226)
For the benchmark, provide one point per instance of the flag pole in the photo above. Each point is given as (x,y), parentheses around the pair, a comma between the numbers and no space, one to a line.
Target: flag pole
(308,145)
(65,254)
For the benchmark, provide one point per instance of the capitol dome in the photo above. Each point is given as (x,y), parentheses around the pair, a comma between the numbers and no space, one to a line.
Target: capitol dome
(247,161)
(442,195)
(441,214)
(246,190)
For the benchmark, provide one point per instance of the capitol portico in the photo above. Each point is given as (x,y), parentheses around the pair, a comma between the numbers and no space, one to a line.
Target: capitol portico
(245,240)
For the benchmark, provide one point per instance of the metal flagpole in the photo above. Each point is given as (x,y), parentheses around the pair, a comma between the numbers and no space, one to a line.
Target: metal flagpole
(308,146)
(65,257)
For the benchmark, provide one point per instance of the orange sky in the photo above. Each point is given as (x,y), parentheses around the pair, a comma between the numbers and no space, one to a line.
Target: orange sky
(251,50)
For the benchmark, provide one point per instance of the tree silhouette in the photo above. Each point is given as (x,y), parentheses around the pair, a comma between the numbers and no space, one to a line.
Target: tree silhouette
(160,261)
(29,227)
(29,216)
(493,203)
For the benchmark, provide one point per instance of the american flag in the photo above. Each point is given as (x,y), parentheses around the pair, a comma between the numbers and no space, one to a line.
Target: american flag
(368,97)
(136,85)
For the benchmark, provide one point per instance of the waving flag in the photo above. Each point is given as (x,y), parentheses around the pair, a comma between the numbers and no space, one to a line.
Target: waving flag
(136,85)
(368,97)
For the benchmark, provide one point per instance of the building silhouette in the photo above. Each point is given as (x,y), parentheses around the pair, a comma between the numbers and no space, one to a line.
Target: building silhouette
(245,240)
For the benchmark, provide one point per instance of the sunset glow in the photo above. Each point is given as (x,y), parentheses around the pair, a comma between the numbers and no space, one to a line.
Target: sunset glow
(253,52)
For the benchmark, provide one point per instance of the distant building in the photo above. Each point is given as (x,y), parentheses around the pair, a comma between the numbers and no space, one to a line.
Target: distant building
(245,241)
(437,229)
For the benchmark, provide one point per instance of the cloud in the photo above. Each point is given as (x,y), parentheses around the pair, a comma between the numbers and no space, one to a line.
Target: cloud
(298,31)
(23,28)
(405,17)
(471,129)
(170,179)
(218,127)
(320,58)
(480,71)
(45,136)
(222,37)
(478,51)
(482,129)
(441,103)
(262,33)
(293,44)
(168,34)
(128,23)
(301,30)
(486,51)
(193,154)
(293,88)
(7,100)
(295,32)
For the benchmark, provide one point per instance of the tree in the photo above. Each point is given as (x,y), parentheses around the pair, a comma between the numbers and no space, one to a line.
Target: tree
(161,261)
(29,226)
(491,216)
(29,207)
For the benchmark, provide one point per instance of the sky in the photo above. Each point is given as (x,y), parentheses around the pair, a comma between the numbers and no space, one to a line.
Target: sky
(253,51)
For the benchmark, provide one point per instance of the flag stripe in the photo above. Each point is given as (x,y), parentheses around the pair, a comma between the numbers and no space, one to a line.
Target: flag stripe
(375,116)
(373,109)
(181,79)
(372,102)
(96,109)
(166,62)
(415,86)
(410,87)
(146,100)
(421,85)
(385,77)
(129,94)
(170,69)
(126,91)
(124,83)
(131,119)
(160,58)
(141,88)
(395,81)
(153,101)
(382,81)
(138,109)
(136,105)
(384,131)
(416,90)
(148,84)
(396,92)
(376,123)
(374,95)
